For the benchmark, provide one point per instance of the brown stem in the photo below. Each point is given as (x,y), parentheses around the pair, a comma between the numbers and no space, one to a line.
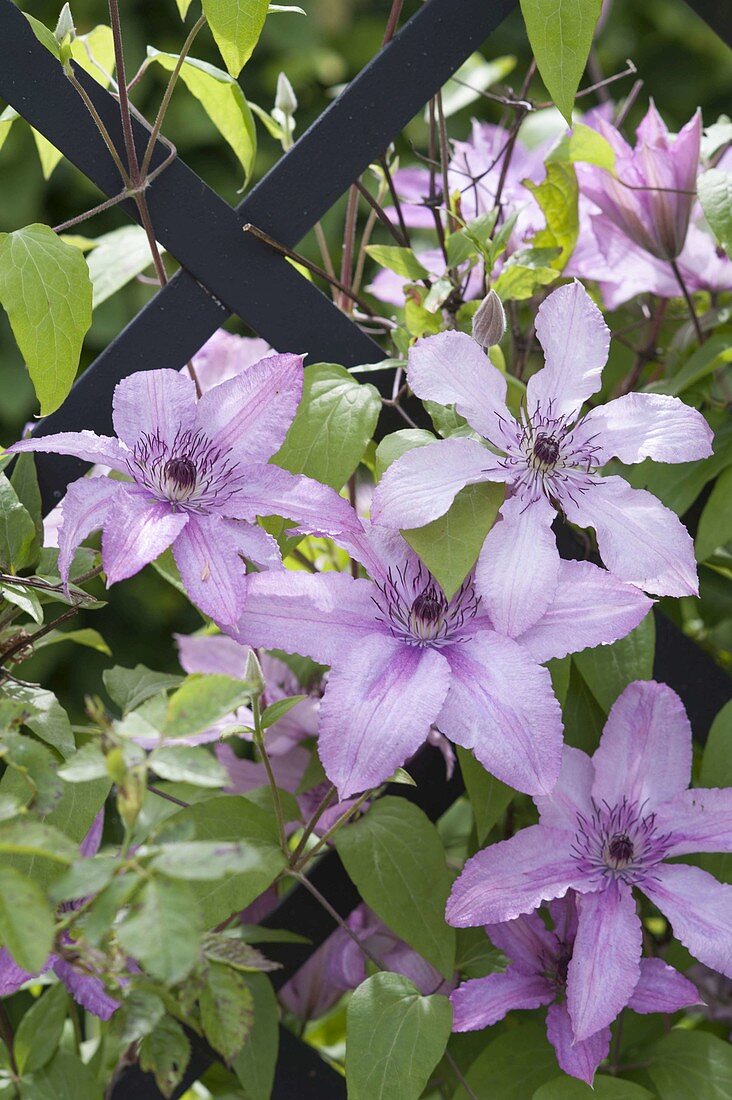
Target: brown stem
(325,256)
(71,76)
(393,21)
(349,240)
(689,301)
(168,797)
(460,1076)
(381,214)
(124,103)
(645,353)
(106,205)
(308,830)
(444,159)
(432,153)
(307,856)
(24,643)
(395,199)
(305,881)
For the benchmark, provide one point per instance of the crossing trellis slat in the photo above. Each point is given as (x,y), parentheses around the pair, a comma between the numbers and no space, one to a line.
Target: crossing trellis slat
(225,271)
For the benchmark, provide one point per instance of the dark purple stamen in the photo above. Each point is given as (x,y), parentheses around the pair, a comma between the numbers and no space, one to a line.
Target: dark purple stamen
(620,848)
(546,449)
(428,606)
(182,472)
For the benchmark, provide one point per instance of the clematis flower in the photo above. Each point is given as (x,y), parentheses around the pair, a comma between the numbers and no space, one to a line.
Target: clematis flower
(199,477)
(404,657)
(550,459)
(651,192)
(538,974)
(606,829)
(86,989)
(225,355)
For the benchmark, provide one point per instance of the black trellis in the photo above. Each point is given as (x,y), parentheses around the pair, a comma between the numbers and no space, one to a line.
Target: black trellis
(224,271)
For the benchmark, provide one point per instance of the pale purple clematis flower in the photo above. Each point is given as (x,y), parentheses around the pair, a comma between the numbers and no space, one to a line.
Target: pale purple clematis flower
(538,974)
(650,193)
(608,827)
(403,657)
(199,477)
(550,460)
(86,989)
(225,355)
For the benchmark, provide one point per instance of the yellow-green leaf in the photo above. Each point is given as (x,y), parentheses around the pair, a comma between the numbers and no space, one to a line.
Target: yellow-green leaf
(557,195)
(560,33)
(236,25)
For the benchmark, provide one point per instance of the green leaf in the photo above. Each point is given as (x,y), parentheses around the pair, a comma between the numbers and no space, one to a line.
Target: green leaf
(234,819)
(255,1063)
(86,764)
(489,797)
(26,920)
(35,769)
(396,1037)
(117,258)
(227,1009)
(512,1066)
(715,524)
(557,195)
(35,838)
(165,1053)
(395,857)
(201,701)
(278,710)
(221,98)
(711,356)
(714,188)
(64,1078)
(163,930)
(235,952)
(584,718)
(47,294)
(519,281)
(7,118)
(401,260)
(608,669)
(560,33)
(47,718)
(206,860)
(716,768)
(236,25)
(25,599)
(40,1029)
(603,1088)
(129,687)
(90,639)
(188,764)
(17,529)
(586,146)
(140,1014)
(478,74)
(334,422)
(84,878)
(183,6)
(691,1063)
(25,482)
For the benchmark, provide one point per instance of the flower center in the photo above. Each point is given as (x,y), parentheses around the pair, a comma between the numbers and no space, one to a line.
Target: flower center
(546,450)
(548,454)
(414,608)
(190,473)
(181,475)
(619,842)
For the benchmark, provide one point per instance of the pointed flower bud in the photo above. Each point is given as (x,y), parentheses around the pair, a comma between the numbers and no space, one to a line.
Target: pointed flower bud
(65,26)
(253,673)
(285,99)
(489,321)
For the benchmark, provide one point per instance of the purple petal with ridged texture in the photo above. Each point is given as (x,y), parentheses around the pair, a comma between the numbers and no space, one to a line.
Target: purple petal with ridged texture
(226,355)
(323,616)
(103,450)
(578,1059)
(90,844)
(213,654)
(662,989)
(645,425)
(575,341)
(572,793)
(645,749)
(85,508)
(86,990)
(699,820)
(590,607)
(136,531)
(640,540)
(212,571)
(249,415)
(482,1002)
(514,876)
(12,976)
(254,543)
(422,484)
(518,567)
(605,964)
(502,706)
(699,909)
(314,508)
(453,369)
(526,941)
(377,710)
(153,402)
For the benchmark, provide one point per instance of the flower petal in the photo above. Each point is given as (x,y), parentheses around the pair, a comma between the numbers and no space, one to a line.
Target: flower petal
(226,355)
(513,877)
(453,369)
(377,710)
(212,571)
(271,491)
(254,543)
(86,990)
(422,484)
(699,909)
(518,566)
(88,446)
(136,531)
(605,964)
(482,1002)
(84,510)
(249,415)
(578,1059)
(699,820)
(590,607)
(501,705)
(153,402)
(322,616)
(640,540)
(12,976)
(571,794)
(645,749)
(212,653)
(662,989)
(645,425)
(575,339)
(526,941)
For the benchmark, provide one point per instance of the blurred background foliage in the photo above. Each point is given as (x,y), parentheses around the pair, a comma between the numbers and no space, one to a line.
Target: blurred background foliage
(681,61)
